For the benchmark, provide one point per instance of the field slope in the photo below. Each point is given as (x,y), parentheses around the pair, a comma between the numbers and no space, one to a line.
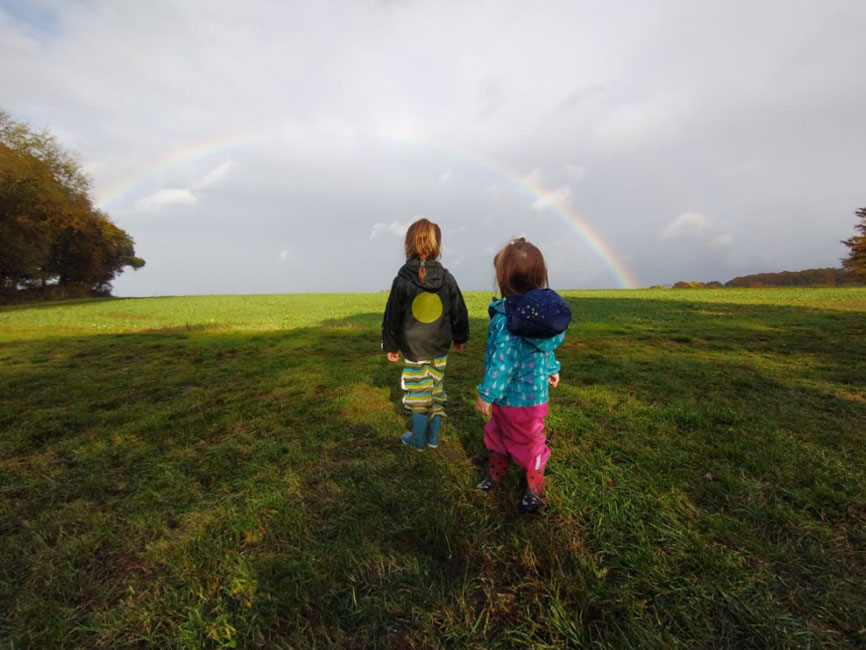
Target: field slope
(226,472)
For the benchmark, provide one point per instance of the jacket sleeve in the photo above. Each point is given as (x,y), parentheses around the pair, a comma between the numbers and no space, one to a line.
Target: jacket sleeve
(553,366)
(392,321)
(459,314)
(500,363)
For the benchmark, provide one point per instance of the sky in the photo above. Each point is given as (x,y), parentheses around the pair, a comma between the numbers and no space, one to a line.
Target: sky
(280,147)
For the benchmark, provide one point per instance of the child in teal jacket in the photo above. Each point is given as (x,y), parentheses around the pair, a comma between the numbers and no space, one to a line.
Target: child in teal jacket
(526,325)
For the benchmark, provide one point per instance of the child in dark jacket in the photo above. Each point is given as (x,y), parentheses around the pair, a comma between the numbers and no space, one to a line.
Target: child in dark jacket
(424,314)
(526,325)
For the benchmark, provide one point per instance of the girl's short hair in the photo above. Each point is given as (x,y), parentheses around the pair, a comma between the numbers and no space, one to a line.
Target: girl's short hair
(520,268)
(423,241)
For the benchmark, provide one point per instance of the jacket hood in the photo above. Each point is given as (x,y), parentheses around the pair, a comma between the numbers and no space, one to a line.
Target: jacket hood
(496,307)
(543,343)
(435,274)
(539,313)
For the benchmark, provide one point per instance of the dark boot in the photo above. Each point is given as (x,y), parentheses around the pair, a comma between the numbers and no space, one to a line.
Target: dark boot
(530,502)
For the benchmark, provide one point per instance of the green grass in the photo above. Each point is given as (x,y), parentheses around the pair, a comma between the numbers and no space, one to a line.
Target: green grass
(226,472)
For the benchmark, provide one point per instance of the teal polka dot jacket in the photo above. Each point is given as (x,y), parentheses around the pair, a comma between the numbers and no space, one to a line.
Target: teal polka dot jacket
(516,369)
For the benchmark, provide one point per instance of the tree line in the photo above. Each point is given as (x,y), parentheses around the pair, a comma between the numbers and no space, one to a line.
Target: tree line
(853,271)
(54,242)
(826,277)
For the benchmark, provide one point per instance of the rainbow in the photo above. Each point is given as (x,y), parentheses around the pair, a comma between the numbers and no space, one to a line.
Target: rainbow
(209,147)
(564,212)
(175,159)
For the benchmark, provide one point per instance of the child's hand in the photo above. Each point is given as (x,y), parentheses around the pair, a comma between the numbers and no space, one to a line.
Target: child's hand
(458,347)
(554,380)
(393,357)
(483,407)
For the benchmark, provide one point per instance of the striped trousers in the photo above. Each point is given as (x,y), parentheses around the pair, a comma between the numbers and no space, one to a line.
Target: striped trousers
(422,383)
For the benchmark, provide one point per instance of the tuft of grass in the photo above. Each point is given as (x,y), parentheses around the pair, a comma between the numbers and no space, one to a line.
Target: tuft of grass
(226,471)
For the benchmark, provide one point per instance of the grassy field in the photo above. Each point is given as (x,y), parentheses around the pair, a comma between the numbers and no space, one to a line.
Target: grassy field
(226,472)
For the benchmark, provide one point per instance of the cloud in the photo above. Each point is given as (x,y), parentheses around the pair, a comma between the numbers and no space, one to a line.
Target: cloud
(631,124)
(698,227)
(184,196)
(165,198)
(494,190)
(367,137)
(215,176)
(394,228)
(553,198)
(285,254)
(445,178)
(576,172)
(576,97)
(688,224)
(491,94)
(532,178)
(453,257)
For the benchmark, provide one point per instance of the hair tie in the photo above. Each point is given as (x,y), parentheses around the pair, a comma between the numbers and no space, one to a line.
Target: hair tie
(422,263)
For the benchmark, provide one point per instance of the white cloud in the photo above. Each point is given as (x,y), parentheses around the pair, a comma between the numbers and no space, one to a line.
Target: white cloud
(554,198)
(394,228)
(285,254)
(165,198)
(215,176)
(184,196)
(688,224)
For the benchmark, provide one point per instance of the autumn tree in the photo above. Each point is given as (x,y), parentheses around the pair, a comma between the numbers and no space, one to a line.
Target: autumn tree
(50,231)
(42,145)
(855,263)
(29,197)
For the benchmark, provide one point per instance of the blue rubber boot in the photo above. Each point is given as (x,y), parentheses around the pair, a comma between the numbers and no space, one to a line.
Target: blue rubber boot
(433,428)
(415,437)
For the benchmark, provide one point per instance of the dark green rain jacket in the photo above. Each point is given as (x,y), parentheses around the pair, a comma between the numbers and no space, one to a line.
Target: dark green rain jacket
(421,320)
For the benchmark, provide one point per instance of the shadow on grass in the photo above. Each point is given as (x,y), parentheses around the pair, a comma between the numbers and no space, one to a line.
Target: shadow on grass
(212,488)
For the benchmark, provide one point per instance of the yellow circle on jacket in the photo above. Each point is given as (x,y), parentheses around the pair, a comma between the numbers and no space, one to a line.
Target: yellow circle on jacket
(427,307)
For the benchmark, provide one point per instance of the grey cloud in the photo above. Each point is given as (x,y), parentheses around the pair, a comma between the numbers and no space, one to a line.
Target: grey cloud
(343,116)
(491,93)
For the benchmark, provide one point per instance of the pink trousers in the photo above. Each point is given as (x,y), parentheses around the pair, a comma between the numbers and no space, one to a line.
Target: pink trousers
(518,432)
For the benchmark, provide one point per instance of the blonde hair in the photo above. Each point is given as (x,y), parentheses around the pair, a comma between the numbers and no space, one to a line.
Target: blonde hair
(423,240)
(519,268)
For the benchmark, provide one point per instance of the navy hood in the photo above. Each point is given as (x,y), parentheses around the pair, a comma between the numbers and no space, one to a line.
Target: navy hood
(537,314)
